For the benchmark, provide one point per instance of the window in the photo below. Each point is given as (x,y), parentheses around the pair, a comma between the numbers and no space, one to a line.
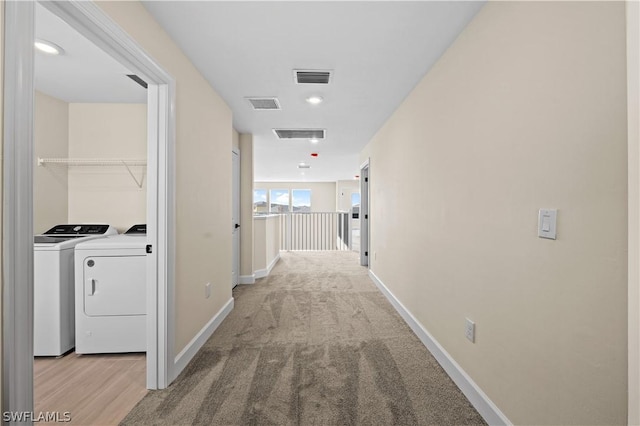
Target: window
(355,205)
(260,201)
(301,200)
(279,201)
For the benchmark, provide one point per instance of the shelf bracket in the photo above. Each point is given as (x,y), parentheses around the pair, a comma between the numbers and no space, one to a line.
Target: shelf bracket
(139,183)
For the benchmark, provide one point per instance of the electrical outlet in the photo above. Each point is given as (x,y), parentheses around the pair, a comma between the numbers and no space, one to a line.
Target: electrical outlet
(207,290)
(470,330)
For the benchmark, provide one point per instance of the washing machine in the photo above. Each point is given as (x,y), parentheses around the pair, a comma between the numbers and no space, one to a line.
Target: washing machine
(111,293)
(53,281)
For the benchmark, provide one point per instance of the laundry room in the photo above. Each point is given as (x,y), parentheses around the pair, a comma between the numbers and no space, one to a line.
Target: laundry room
(90,183)
(82,173)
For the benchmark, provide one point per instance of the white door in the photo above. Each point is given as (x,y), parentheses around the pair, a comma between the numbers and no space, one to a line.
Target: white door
(235,218)
(364,215)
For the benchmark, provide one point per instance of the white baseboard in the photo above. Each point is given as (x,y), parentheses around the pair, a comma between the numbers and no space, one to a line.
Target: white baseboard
(247,279)
(487,409)
(185,355)
(261,273)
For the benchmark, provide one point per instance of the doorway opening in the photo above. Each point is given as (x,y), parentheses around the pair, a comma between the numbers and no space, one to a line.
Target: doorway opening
(235,217)
(354,219)
(18,286)
(364,214)
(90,146)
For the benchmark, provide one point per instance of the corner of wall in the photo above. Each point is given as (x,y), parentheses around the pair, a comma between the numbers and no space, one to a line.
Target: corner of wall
(245,143)
(633,114)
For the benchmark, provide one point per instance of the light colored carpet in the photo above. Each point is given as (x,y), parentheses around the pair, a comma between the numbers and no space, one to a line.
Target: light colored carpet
(315,343)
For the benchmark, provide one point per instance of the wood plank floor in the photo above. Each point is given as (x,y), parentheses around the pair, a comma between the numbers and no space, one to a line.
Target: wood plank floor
(95,389)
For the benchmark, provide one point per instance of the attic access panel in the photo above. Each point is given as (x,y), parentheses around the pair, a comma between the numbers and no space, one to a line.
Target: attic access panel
(299,133)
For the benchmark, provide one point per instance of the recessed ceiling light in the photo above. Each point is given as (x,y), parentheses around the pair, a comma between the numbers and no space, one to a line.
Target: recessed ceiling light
(48,47)
(315,100)
(314,140)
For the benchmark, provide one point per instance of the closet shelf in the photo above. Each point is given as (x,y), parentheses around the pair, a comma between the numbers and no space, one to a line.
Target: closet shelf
(92,161)
(127,163)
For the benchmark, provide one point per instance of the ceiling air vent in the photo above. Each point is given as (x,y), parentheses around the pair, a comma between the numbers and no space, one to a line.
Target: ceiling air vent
(304,166)
(299,133)
(138,80)
(312,76)
(264,103)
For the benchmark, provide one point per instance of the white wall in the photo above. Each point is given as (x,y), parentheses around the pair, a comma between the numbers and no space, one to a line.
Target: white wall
(526,110)
(107,194)
(50,182)
(344,189)
(266,244)
(203,176)
(323,194)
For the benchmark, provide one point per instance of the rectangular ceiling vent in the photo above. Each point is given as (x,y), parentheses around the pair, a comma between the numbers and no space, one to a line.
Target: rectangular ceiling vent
(138,80)
(312,76)
(304,166)
(264,103)
(299,133)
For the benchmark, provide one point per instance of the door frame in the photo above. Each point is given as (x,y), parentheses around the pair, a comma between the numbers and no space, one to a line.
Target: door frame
(633,136)
(17,322)
(236,176)
(365,233)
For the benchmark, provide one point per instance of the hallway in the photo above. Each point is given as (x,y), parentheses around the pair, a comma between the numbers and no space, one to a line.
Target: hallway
(315,342)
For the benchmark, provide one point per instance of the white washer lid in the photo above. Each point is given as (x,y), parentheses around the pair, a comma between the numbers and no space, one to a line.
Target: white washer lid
(68,244)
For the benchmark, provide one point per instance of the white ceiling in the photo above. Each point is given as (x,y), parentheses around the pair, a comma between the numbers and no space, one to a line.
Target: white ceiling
(84,73)
(378,50)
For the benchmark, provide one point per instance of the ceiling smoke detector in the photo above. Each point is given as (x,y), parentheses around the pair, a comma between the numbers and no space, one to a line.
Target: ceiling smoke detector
(264,103)
(312,76)
(300,133)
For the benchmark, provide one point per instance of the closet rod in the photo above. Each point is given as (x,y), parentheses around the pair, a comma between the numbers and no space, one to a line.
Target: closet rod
(92,161)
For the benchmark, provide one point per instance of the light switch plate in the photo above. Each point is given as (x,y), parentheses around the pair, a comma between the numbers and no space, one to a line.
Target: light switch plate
(547,223)
(470,330)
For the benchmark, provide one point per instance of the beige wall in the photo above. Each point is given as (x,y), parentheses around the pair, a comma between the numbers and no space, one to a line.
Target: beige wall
(323,194)
(107,194)
(633,107)
(50,183)
(266,244)
(344,189)
(203,176)
(98,194)
(526,110)
(235,141)
(245,142)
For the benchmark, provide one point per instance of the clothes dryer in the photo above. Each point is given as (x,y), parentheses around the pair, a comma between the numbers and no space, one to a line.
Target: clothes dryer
(53,281)
(111,293)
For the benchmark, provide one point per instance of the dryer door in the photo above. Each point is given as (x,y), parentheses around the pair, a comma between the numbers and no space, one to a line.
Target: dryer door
(115,285)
